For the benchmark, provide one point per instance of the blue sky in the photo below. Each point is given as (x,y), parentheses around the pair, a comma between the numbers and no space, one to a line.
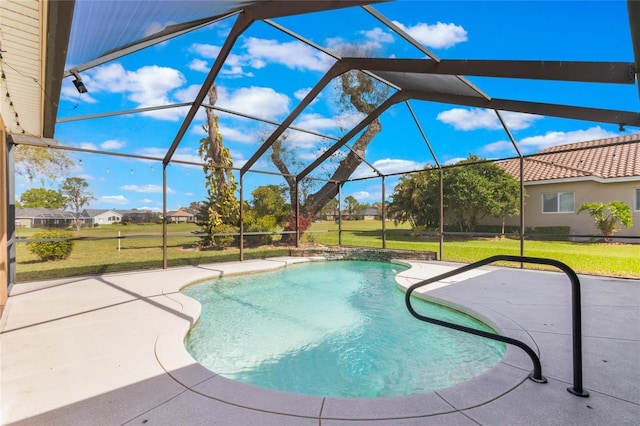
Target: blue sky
(268,72)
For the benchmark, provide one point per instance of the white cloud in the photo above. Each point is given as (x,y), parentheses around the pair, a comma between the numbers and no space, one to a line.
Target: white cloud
(387,166)
(147,86)
(199,65)
(346,48)
(208,51)
(293,54)
(379,35)
(153,209)
(476,118)
(552,138)
(113,199)
(301,93)
(349,121)
(316,122)
(149,188)
(88,145)
(262,102)
(238,135)
(498,146)
(439,35)
(453,161)
(112,144)
(188,94)
(560,138)
(362,195)
(258,53)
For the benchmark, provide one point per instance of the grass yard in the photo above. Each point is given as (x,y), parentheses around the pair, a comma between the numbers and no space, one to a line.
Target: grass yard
(620,260)
(141,248)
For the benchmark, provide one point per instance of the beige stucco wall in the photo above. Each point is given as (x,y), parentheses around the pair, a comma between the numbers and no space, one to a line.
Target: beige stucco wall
(585,192)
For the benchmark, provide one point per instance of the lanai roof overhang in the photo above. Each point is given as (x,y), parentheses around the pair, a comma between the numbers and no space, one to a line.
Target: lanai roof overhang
(432,79)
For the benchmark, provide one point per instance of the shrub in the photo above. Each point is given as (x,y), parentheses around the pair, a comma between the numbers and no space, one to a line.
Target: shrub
(266,223)
(223,241)
(51,250)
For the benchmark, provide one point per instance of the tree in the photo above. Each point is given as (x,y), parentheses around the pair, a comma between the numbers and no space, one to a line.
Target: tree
(357,91)
(507,200)
(475,188)
(41,198)
(41,162)
(416,199)
(221,208)
(472,190)
(76,196)
(268,211)
(609,216)
(352,205)
(269,200)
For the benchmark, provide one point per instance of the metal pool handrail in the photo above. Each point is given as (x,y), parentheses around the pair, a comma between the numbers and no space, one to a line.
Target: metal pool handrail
(536,375)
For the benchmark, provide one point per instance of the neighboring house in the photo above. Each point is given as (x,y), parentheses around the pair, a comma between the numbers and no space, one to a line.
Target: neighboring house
(138,216)
(331,215)
(558,182)
(365,214)
(93,217)
(181,216)
(369,214)
(43,218)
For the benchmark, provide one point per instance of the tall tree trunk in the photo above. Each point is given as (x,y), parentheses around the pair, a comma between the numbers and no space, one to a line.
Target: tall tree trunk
(316,201)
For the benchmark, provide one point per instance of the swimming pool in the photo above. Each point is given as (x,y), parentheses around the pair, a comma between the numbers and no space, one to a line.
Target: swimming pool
(333,329)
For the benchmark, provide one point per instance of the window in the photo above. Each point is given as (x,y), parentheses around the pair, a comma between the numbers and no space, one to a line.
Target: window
(559,202)
(637,199)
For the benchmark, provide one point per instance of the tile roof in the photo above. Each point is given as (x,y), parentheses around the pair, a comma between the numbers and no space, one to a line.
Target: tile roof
(603,158)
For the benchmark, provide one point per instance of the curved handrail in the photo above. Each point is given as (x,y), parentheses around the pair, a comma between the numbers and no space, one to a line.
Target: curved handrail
(536,375)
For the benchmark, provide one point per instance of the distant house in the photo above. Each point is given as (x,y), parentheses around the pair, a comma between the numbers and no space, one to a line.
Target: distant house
(94,217)
(139,216)
(369,214)
(560,179)
(364,214)
(43,218)
(181,216)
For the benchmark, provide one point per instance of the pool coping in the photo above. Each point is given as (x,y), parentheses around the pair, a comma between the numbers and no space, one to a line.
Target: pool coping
(510,372)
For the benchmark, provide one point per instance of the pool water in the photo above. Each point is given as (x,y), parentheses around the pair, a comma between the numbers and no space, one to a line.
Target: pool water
(337,329)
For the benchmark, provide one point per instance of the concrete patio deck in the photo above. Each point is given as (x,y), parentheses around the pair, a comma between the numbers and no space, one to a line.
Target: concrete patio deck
(107,350)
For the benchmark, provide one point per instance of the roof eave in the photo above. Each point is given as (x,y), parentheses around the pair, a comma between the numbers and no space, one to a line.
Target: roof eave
(597,179)
(58,30)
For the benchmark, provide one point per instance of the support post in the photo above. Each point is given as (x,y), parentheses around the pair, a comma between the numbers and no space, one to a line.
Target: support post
(297,213)
(340,214)
(384,217)
(515,146)
(521,205)
(164,216)
(241,218)
(441,213)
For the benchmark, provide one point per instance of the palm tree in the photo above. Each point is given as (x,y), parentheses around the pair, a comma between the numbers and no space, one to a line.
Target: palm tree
(608,216)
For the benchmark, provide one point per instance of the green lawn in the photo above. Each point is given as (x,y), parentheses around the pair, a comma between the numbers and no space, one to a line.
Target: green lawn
(622,260)
(142,249)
